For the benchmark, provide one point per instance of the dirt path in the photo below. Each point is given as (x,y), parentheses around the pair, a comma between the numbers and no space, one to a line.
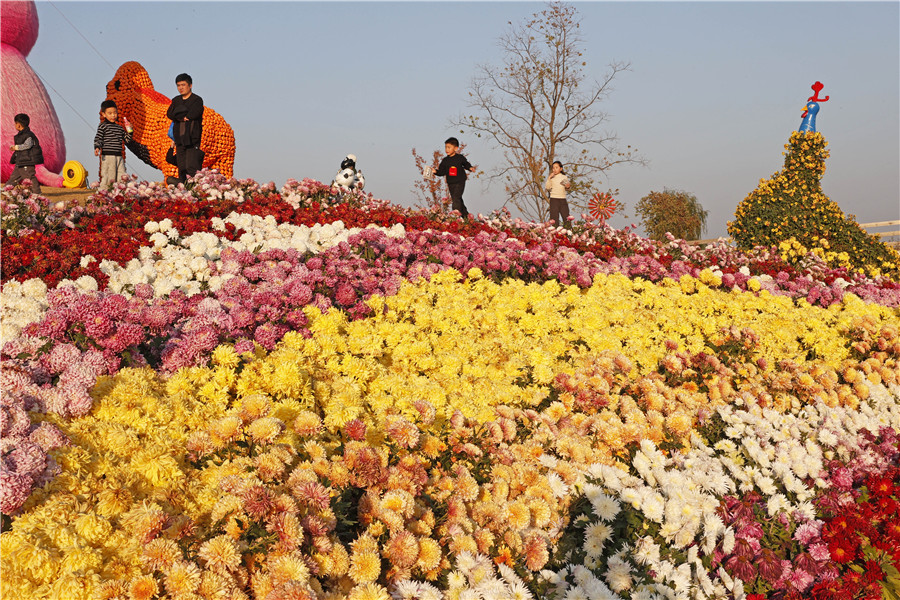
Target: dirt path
(67,195)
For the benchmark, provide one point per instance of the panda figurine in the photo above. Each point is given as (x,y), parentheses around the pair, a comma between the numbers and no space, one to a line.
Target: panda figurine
(349,177)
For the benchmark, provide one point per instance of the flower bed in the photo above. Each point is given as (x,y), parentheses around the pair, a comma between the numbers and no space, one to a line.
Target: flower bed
(305,395)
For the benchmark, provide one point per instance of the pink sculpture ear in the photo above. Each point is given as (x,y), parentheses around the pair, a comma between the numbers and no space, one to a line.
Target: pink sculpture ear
(19,25)
(21,91)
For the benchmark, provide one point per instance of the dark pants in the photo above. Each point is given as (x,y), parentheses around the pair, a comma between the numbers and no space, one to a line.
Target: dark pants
(559,211)
(21,173)
(189,160)
(456,192)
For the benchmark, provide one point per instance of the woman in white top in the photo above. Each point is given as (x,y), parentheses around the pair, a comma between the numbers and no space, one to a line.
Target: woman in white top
(557,184)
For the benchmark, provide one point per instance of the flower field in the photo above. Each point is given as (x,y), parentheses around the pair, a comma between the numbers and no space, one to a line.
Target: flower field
(231,391)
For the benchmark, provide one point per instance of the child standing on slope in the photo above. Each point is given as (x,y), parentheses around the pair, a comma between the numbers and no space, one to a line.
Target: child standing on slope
(454,167)
(109,144)
(27,154)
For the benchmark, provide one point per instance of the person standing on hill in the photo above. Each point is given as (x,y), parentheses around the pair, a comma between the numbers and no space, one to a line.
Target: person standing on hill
(27,154)
(109,144)
(186,113)
(454,167)
(557,184)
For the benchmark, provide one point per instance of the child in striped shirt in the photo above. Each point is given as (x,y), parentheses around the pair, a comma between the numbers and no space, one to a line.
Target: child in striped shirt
(109,144)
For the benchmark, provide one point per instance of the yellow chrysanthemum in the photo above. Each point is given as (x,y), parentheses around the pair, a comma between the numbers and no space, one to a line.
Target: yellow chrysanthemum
(364,566)
(220,554)
(182,578)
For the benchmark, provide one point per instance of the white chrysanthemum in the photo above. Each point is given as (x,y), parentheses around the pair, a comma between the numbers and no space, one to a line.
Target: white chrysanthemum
(646,551)
(456,580)
(597,533)
(37,289)
(557,485)
(406,590)
(728,541)
(618,575)
(576,592)
(605,506)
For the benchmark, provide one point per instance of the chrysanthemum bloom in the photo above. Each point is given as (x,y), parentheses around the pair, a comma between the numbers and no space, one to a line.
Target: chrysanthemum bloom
(618,575)
(92,527)
(429,554)
(312,494)
(402,549)
(224,430)
(257,501)
(214,585)
(160,554)
(364,566)
(517,515)
(307,424)
(402,432)
(369,591)
(536,555)
(220,554)
(426,411)
(266,429)
(182,578)
(364,543)
(269,466)
(142,588)
(255,406)
(288,567)
(355,430)
(540,512)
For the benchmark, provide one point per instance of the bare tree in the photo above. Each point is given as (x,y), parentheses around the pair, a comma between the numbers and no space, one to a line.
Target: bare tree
(539,106)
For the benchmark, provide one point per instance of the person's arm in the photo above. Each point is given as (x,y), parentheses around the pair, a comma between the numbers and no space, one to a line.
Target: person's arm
(467,165)
(442,169)
(195,109)
(547,182)
(101,135)
(28,143)
(170,112)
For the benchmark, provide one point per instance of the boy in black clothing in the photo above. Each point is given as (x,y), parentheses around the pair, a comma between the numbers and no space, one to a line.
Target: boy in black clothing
(27,154)
(186,113)
(454,167)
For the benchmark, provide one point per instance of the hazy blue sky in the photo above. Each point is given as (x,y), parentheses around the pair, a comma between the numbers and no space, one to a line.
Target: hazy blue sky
(714,92)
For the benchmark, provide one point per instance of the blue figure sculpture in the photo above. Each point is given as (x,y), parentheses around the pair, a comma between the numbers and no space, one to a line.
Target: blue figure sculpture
(812,108)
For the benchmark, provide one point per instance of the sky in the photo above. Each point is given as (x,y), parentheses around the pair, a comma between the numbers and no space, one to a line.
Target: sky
(712,95)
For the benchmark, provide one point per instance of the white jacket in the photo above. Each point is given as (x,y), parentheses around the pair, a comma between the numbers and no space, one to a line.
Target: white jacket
(555,185)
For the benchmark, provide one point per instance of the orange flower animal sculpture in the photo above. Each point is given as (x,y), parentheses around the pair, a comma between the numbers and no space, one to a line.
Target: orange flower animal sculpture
(145,108)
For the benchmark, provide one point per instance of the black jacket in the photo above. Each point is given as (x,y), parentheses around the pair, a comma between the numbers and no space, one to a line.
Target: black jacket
(27,158)
(454,168)
(187,133)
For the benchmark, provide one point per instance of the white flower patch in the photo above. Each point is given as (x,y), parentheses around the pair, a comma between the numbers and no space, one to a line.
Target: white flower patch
(20,305)
(176,263)
(764,450)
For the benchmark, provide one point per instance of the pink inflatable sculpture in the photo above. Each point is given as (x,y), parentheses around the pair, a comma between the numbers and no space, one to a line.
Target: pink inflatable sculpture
(23,92)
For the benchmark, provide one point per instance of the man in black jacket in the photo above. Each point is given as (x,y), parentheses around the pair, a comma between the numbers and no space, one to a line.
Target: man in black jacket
(27,154)
(186,113)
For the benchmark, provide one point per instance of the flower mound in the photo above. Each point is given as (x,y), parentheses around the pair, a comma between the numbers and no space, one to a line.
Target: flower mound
(318,395)
(790,208)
